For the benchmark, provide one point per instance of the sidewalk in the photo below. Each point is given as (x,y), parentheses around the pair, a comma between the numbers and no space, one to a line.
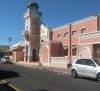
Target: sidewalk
(36,65)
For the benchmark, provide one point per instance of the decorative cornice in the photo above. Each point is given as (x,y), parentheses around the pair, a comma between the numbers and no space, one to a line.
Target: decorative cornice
(90,35)
(26,15)
(89,43)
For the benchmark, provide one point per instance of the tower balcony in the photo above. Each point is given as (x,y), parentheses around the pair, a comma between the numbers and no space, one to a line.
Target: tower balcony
(25,34)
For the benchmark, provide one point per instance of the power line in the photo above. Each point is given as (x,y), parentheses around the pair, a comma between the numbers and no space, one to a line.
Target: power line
(6,38)
(9,40)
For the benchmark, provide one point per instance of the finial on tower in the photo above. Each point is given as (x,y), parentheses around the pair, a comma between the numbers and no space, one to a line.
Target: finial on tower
(33,4)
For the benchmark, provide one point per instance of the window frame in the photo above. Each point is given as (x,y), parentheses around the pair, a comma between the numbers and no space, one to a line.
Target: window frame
(66,34)
(74,32)
(83,30)
(59,35)
(66,50)
(74,49)
(10,53)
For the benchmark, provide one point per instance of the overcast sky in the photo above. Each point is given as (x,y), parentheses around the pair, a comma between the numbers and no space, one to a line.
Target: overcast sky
(55,13)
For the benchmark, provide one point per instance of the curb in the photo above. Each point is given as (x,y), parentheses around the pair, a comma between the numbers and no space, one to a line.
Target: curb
(66,71)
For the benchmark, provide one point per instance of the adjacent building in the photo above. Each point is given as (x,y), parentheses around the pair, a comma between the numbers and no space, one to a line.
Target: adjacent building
(3,50)
(60,46)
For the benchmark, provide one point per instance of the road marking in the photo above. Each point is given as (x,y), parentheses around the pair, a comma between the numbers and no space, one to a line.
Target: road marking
(11,85)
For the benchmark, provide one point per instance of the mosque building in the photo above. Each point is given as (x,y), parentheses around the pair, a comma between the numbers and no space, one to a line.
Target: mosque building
(57,47)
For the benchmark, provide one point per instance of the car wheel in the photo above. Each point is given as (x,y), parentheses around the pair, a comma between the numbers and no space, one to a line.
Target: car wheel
(74,73)
(98,77)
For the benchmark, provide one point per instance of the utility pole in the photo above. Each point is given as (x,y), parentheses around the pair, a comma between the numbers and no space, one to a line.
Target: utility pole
(9,40)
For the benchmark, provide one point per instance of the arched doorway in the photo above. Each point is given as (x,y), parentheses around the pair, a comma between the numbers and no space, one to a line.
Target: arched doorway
(34,55)
(85,52)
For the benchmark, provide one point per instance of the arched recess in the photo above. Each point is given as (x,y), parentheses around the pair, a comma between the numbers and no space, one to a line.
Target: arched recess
(44,55)
(34,55)
(85,52)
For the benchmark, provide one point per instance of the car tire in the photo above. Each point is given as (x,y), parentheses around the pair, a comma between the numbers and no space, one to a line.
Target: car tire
(98,77)
(74,73)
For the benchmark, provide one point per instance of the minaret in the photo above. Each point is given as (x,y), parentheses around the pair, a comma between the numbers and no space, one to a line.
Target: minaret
(32,32)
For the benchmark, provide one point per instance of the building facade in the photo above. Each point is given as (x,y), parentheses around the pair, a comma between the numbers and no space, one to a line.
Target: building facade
(60,46)
(4,50)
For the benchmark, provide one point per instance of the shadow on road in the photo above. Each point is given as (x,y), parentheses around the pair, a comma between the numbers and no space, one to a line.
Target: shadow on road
(8,74)
(6,87)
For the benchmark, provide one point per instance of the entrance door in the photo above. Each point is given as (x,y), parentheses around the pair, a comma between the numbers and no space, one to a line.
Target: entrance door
(96,51)
(34,55)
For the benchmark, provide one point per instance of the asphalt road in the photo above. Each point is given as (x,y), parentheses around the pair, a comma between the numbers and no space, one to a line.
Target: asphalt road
(33,79)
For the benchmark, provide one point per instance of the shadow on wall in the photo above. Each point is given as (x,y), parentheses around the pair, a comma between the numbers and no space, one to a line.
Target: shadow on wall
(8,74)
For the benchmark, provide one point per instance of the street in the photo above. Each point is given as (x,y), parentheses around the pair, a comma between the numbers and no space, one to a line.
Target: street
(34,79)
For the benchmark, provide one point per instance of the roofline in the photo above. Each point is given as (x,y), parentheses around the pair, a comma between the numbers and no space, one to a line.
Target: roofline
(15,45)
(76,22)
(83,20)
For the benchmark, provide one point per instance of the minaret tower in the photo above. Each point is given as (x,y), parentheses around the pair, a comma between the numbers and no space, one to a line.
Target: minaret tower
(32,32)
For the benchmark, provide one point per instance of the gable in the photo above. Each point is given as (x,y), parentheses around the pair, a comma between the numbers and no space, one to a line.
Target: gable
(43,30)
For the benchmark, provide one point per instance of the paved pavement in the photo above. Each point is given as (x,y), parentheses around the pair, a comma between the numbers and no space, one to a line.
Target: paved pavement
(36,65)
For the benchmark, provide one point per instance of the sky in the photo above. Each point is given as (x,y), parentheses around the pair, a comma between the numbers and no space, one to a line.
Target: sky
(55,13)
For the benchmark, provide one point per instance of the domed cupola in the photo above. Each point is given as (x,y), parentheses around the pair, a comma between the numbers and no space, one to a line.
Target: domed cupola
(33,5)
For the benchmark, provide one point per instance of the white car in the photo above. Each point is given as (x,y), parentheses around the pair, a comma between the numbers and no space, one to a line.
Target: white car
(86,68)
(5,60)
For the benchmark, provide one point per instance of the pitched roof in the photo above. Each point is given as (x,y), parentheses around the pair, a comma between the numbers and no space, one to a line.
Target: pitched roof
(21,43)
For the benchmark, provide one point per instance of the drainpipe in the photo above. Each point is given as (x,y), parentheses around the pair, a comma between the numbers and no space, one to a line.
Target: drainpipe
(70,45)
(49,55)
(98,25)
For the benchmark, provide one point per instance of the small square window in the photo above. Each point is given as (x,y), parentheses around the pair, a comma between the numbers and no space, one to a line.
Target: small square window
(59,35)
(74,50)
(66,50)
(74,32)
(10,53)
(83,30)
(66,34)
